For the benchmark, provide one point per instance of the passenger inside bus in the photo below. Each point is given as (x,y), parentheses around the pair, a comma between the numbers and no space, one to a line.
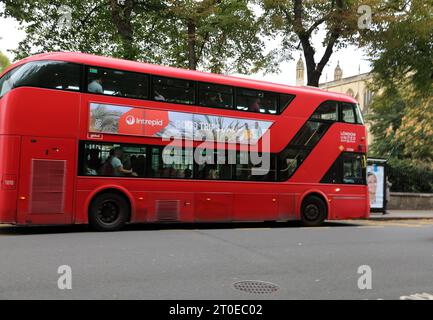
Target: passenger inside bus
(113,165)
(96,86)
(93,162)
(187,173)
(158,96)
(255,105)
(215,100)
(139,166)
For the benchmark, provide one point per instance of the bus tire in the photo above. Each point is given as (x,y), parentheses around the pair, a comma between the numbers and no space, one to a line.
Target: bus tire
(313,211)
(109,212)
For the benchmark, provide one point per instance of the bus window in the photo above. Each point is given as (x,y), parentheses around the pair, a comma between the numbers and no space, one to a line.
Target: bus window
(214,95)
(333,175)
(347,113)
(265,170)
(289,160)
(43,74)
(172,162)
(359,117)
(117,83)
(256,101)
(352,169)
(285,100)
(173,90)
(213,164)
(6,82)
(262,170)
(310,133)
(348,168)
(326,111)
(105,159)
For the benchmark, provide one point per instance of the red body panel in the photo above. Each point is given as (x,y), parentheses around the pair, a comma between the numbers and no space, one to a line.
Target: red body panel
(45,124)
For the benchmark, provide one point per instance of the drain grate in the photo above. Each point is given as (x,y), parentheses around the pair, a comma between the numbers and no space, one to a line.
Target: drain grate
(257,287)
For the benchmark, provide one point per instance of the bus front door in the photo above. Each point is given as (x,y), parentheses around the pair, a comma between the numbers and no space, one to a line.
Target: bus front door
(47,168)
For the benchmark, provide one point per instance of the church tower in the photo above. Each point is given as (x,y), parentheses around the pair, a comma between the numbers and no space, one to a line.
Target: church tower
(338,72)
(300,72)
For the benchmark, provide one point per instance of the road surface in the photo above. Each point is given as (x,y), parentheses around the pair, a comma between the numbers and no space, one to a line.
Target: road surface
(204,261)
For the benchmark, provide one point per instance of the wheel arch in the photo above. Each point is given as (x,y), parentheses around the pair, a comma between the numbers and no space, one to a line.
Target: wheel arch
(115,189)
(318,193)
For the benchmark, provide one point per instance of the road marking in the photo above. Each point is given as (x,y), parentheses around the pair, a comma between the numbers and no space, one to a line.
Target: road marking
(418,296)
(405,224)
(249,229)
(371,227)
(313,228)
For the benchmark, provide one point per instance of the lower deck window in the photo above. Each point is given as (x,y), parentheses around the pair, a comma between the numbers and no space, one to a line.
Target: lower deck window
(146,161)
(112,159)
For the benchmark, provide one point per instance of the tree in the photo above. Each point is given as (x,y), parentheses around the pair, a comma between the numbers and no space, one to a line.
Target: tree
(416,130)
(99,27)
(4,61)
(296,21)
(401,49)
(216,35)
(385,117)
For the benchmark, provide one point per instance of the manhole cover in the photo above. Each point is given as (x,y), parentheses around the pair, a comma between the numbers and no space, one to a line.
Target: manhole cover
(254,286)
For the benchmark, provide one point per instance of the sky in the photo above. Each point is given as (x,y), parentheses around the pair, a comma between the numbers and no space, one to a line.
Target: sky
(351,59)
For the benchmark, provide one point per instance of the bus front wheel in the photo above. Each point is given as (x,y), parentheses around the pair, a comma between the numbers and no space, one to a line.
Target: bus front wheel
(108,212)
(313,211)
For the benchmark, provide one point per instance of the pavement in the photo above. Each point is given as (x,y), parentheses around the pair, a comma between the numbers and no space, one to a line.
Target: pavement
(403,214)
(205,261)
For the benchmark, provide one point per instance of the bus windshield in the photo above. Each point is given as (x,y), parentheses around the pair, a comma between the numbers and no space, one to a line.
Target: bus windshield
(44,74)
(6,82)
(359,117)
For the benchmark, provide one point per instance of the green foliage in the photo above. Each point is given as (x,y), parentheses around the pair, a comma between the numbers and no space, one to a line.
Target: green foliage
(401,123)
(4,61)
(91,30)
(416,130)
(385,116)
(216,35)
(402,47)
(410,176)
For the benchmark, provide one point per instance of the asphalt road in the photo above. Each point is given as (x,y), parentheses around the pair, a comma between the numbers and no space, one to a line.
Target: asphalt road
(204,261)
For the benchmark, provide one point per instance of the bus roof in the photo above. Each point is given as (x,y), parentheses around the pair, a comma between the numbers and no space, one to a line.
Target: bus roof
(128,65)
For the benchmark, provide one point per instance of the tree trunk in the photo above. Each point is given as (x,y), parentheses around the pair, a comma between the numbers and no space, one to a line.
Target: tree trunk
(314,71)
(121,17)
(192,42)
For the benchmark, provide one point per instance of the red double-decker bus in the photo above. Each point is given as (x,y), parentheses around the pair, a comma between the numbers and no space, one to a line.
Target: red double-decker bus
(89,139)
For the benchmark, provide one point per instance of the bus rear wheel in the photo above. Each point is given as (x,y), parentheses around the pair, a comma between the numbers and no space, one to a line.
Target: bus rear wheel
(313,211)
(108,212)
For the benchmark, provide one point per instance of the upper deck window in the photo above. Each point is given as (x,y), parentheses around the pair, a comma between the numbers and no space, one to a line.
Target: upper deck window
(215,95)
(331,111)
(43,74)
(173,90)
(117,83)
(256,101)
(326,111)
(285,100)
(6,82)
